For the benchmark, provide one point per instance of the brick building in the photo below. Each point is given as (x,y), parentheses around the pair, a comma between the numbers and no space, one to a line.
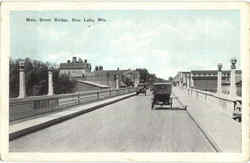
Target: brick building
(81,71)
(206,80)
(75,68)
(108,77)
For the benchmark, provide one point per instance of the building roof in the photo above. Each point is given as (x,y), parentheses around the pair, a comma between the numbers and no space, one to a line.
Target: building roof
(213,71)
(74,65)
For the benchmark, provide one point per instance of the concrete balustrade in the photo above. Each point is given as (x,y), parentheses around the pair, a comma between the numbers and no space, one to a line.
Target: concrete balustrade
(37,105)
(224,103)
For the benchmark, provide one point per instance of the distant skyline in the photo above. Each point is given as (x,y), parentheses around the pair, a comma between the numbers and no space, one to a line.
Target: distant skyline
(164,42)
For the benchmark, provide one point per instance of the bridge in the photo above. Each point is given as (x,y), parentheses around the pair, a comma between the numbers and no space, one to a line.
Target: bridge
(118,120)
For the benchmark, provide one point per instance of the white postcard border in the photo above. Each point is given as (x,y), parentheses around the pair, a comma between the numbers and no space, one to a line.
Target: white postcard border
(5,53)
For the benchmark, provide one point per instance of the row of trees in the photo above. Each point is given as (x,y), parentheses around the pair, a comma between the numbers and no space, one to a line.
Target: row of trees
(146,77)
(36,79)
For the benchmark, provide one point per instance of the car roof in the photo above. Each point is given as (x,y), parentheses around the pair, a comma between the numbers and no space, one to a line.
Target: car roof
(162,84)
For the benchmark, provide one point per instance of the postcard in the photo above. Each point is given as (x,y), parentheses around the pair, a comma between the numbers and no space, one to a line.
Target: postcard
(125,81)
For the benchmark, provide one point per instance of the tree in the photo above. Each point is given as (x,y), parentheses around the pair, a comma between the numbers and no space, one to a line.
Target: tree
(13,78)
(62,83)
(171,79)
(144,74)
(36,79)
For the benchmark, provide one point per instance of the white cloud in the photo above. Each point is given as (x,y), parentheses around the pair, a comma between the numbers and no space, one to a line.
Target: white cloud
(163,44)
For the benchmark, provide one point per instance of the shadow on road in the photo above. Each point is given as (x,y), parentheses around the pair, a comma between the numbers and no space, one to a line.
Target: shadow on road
(169,108)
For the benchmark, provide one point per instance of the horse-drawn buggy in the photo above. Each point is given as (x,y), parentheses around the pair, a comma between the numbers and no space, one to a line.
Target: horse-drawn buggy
(162,94)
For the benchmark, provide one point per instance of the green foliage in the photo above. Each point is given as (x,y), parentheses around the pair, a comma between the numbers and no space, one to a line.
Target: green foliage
(127,81)
(13,79)
(146,77)
(62,83)
(36,79)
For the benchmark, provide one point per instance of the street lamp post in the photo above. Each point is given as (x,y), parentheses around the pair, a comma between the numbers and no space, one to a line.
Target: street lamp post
(117,78)
(232,78)
(22,88)
(50,81)
(219,76)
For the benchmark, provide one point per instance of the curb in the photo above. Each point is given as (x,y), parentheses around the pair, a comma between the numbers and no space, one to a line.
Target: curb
(26,131)
(205,133)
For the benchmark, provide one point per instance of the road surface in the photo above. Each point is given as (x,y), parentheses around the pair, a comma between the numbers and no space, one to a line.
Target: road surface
(126,126)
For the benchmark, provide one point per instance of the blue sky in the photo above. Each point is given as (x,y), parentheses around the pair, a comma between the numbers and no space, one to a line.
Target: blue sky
(163,41)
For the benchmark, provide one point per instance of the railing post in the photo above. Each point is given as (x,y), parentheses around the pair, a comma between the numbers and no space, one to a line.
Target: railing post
(78,98)
(48,104)
(110,92)
(98,94)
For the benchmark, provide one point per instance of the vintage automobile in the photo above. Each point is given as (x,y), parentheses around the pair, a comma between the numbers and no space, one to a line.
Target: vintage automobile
(237,111)
(162,94)
(141,88)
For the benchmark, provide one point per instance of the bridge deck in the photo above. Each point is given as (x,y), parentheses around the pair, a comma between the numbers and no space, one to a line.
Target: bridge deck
(127,126)
(131,126)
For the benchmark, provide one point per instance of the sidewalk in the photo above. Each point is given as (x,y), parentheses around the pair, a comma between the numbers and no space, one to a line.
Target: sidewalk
(19,129)
(224,131)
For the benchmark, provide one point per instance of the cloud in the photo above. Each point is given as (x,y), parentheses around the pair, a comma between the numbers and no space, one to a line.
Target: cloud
(161,42)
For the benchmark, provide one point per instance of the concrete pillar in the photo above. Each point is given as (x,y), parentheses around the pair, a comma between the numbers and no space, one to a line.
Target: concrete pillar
(50,82)
(191,80)
(117,78)
(219,78)
(22,88)
(134,76)
(233,89)
(117,81)
(181,79)
(188,80)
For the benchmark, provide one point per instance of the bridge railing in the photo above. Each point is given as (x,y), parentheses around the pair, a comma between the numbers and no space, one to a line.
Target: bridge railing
(37,105)
(226,103)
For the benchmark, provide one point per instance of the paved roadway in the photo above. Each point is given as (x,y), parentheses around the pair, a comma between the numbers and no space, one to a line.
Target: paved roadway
(127,126)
